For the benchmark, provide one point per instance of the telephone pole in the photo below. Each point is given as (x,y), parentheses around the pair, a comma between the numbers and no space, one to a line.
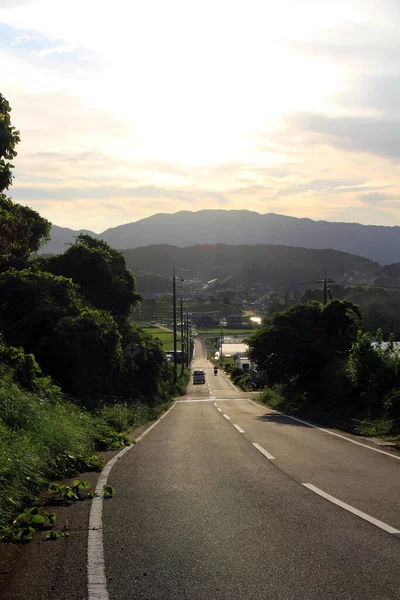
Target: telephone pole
(187,340)
(174,317)
(174,278)
(325,280)
(182,340)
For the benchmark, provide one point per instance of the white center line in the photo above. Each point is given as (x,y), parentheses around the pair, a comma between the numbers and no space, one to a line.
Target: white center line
(264,452)
(351,509)
(220,409)
(226,417)
(215,404)
(240,430)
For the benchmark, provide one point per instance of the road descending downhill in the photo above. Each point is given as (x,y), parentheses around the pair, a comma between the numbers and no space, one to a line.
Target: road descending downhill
(225,499)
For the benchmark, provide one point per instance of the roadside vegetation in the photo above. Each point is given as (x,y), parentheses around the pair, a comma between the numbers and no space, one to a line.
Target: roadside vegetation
(315,358)
(75,372)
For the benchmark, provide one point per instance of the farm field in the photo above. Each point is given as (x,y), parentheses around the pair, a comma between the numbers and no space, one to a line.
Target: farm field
(225,331)
(166,337)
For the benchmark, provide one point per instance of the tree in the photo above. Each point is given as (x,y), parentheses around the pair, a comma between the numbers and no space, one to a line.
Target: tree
(83,355)
(293,346)
(100,272)
(22,230)
(9,138)
(78,346)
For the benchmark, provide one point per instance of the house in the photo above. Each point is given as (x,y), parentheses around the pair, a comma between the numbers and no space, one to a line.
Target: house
(206,321)
(234,320)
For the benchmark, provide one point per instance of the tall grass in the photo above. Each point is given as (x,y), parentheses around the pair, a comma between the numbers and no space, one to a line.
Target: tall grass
(42,439)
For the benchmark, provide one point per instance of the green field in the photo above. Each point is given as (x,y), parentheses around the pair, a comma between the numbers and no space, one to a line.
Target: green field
(226,332)
(166,337)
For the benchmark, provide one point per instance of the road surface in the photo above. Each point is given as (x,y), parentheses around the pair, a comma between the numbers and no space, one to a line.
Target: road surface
(225,499)
(211,504)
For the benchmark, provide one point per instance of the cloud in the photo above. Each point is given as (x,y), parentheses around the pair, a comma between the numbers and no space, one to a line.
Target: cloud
(318,185)
(345,52)
(375,197)
(355,134)
(60,194)
(379,93)
(55,50)
(249,191)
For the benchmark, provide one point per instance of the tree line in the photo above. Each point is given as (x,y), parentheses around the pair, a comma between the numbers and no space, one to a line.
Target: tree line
(72,311)
(68,387)
(318,358)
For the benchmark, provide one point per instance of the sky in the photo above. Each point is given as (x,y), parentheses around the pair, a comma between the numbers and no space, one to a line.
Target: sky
(128,108)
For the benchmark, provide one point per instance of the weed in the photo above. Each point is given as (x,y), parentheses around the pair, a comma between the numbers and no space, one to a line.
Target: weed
(108,491)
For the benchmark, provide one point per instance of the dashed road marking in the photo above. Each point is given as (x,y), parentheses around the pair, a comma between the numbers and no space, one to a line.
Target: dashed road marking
(226,417)
(263,451)
(220,409)
(355,511)
(240,430)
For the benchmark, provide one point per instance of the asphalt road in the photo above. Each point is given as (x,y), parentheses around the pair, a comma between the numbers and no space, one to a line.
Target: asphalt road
(202,513)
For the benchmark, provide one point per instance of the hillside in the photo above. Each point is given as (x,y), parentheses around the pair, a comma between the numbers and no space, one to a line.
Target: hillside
(244,265)
(389,276)
(185,228)
(61,237)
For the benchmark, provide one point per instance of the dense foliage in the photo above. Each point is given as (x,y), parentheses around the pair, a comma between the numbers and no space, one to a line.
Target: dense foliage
(67,385)
(380,306)
(100,272)
(317,357)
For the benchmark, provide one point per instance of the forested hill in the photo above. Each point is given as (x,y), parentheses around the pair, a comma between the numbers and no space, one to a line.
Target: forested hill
(185,228)
(260,263)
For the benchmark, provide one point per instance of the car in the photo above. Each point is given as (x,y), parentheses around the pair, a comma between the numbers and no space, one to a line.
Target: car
(199,377)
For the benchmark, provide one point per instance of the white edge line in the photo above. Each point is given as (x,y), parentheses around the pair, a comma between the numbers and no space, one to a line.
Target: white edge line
(230,382)
(226,417)
(263,451)
(220,409)
(351,509)
(96,574)
(240,430)
(343,437)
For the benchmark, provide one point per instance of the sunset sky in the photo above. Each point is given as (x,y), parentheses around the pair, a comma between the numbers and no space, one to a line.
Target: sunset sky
(130,108)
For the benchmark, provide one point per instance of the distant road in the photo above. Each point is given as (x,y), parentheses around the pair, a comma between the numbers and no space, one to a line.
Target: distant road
(212,504)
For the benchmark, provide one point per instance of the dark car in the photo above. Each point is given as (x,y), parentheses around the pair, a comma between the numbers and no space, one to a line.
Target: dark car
(199,377)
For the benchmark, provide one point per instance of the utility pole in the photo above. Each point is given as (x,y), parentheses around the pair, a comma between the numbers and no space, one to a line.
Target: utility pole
(220,354)
(182,340)
(187,340)
(325,280)
(174,313)
(174,317)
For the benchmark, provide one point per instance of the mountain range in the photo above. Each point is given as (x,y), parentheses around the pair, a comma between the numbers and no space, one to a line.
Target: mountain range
(186,228)
(246,266)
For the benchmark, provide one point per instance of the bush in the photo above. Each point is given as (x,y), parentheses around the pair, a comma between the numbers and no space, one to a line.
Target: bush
(271,397)
(236,372)
(45,437)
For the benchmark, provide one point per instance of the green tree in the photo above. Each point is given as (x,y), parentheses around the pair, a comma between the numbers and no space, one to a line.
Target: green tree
(293,346)
(78,346)
(22,230)
(9,138)
(100,272)
(84,355)
(148,377)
